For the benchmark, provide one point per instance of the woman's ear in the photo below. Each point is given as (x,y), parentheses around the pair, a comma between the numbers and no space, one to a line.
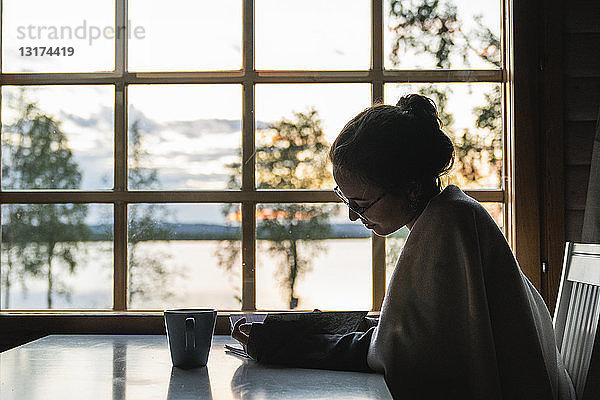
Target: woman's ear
(414,194)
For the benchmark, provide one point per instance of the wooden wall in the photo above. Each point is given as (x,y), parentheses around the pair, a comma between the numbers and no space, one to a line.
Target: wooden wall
(581,34)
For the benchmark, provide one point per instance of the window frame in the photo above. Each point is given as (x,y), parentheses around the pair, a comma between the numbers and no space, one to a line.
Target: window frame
(248,196)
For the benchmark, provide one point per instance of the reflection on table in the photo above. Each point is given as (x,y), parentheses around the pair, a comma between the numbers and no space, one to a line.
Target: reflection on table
(139,367)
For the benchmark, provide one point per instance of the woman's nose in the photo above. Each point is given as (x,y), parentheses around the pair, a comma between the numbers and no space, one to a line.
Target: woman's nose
(352,215)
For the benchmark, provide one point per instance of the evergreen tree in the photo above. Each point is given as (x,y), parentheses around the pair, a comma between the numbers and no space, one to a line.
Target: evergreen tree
(147,275)
(37,156)
(434,28)
(290,154)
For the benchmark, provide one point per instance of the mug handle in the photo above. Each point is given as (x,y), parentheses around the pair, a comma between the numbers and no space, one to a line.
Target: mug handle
(190,342)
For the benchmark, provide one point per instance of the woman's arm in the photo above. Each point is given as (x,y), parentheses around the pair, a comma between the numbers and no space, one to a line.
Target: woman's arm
(283,346)
(269,344)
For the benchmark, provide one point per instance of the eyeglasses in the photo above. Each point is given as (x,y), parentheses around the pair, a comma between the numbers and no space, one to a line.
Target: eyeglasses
(351,204)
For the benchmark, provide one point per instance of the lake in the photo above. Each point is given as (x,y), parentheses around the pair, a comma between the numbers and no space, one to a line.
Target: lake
(187,274)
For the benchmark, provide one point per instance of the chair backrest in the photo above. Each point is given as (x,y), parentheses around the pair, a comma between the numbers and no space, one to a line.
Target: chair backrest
(576,316)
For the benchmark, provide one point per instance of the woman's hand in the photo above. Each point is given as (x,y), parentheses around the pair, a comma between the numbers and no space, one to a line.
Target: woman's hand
(241,331)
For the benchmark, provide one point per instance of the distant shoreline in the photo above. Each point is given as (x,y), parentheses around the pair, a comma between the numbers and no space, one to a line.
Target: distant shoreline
(173,231)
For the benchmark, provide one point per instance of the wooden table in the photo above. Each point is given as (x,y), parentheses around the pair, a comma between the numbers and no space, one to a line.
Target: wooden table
(139,367)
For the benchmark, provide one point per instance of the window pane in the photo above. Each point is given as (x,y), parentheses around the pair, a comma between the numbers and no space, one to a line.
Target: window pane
(313,34)
(472,116)
(57,256)
(311,256)
(496,210)
(394,244)
(184,255)
(192,140)
(88,27)
(442,34)
(185,35)
(295,125)
(57,137)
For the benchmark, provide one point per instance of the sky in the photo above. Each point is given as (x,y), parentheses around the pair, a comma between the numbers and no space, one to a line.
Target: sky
(191,132)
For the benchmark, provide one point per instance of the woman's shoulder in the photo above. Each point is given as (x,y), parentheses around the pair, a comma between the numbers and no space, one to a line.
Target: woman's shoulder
(453,199)
(453,207)
(454,217)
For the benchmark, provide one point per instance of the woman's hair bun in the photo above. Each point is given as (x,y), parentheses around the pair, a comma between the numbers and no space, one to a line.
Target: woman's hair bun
(419,106)
(440,155)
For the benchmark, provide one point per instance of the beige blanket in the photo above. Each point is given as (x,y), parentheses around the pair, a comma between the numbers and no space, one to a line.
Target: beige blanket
(459,319)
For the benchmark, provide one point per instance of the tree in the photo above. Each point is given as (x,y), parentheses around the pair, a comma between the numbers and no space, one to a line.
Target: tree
(147,275)
(290,154)
(37,156)
(434,28)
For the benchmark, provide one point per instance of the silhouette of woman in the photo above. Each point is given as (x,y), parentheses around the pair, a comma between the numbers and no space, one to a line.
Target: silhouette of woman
(459,318)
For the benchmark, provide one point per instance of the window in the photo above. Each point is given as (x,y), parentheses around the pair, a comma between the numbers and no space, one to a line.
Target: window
(184,163)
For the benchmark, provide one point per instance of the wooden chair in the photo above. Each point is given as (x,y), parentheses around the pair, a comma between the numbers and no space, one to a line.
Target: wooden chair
(576,318)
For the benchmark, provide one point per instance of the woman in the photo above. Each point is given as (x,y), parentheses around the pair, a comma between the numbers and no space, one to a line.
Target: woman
(459,318)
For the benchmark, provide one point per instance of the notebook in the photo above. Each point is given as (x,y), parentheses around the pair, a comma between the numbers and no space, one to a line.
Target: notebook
(327,322)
